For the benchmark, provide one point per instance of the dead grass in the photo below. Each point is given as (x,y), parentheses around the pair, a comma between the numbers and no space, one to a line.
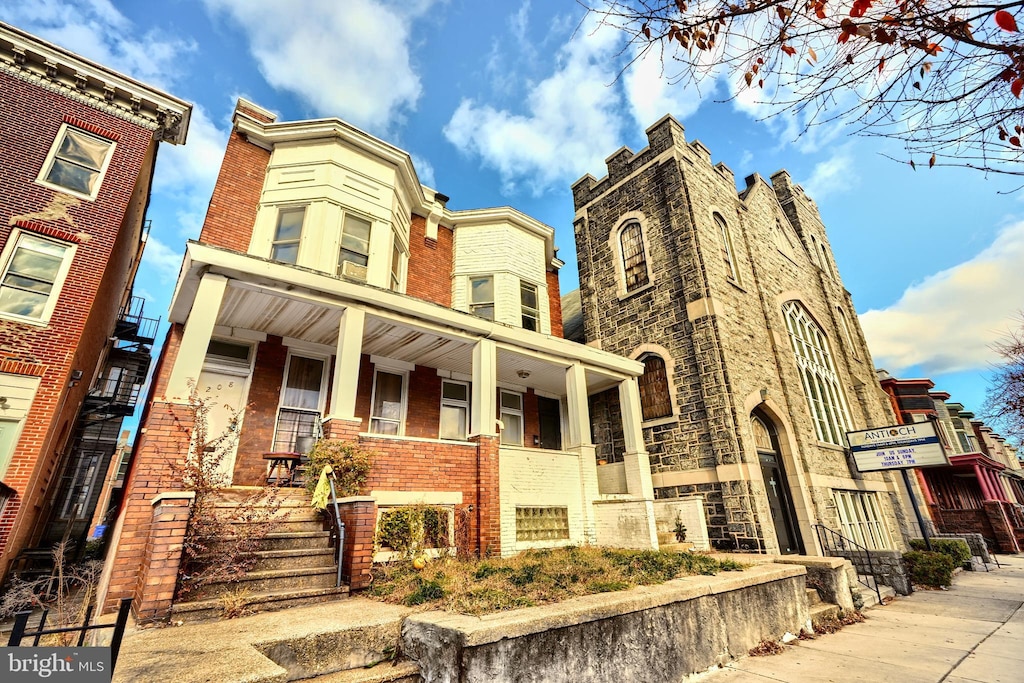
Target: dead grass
(533,578)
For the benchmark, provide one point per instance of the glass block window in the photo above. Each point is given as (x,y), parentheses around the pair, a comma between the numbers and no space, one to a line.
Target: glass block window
(634,261)
(542,523)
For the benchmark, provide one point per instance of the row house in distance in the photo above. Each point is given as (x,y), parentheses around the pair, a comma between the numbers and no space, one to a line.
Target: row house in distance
(981,490)
(329,287)
(78,142)
(755,366)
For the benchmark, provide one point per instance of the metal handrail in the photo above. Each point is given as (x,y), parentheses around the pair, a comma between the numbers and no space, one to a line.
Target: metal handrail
(842,544)
(339,529)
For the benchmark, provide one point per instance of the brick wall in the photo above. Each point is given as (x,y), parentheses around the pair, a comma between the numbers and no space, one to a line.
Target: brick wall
(236,195)
(360,520)
(161,443)
(158,577)
(30,118)
(430,263)
(554,303)
(257,435)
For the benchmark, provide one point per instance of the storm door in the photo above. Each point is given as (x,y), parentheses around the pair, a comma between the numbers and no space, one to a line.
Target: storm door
(780,500)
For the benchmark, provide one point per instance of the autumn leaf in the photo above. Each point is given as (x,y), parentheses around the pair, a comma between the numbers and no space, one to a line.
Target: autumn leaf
(881,64)
(1006,21)
(789,50)
(931,162)
(1015,141)
(917,85)
(913,165)
(1015,87)
(647,31)
(749,78)
(813,54)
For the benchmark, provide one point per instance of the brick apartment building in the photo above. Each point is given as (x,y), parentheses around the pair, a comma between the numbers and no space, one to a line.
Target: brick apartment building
(755,366)
(77,147)
(330,290)
(981,490)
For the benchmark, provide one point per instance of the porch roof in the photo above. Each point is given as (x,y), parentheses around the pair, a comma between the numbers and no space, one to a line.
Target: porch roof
(303,304)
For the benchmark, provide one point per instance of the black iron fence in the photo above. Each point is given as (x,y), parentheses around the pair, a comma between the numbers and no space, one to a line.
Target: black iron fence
(835,544)
(20,631)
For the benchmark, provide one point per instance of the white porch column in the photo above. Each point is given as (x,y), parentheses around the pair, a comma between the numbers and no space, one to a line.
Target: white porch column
(485,389)
(346,365)
(580,442)
(195,339)
(638,465)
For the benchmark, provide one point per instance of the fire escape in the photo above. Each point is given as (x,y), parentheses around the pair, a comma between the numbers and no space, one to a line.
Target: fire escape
(112,398)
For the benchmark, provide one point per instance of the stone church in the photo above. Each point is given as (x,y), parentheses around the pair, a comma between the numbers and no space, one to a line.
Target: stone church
(755,365)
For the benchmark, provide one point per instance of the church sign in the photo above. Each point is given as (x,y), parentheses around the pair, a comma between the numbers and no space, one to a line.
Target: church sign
(897,447)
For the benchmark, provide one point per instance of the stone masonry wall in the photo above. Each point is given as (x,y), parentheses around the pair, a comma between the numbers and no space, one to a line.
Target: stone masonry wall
(725,335)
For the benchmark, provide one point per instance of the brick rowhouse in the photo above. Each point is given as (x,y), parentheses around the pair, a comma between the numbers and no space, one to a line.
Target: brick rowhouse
(48,362)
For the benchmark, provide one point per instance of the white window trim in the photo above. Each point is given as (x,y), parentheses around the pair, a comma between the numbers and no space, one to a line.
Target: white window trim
(456,404)
(339,264)
(615,244)
(322,399)
(51,155)
(7,256)
(502,410)
(522,306)
(17,424)
(403,267)
(470,304)
(279,210)
(391,370)
(867,527)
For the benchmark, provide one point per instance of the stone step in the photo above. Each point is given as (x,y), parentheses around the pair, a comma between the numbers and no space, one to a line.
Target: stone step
(271,580)
(212,608)
(283,540)
(813,597)
(405,671)
(867,592)
(294,559)
(822,612)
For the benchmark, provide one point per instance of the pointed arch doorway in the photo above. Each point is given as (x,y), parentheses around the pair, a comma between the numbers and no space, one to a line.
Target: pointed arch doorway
(780,498)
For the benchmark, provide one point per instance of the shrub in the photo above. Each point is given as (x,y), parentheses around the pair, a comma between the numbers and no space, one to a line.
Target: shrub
(409,529)
(956,548)
(929,568)
(350,462)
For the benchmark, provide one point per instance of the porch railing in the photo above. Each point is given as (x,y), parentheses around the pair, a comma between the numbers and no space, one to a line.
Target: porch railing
(20,630)
(835,544)
(337,530)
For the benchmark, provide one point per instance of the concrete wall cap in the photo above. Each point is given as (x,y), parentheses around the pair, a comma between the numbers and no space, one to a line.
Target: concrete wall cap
(171,495)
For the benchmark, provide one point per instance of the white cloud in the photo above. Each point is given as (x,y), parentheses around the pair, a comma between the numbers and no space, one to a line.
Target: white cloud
(948,322)
(834,175)
(95,29)
(348,59)
(651,95)
(160,260)
(571,120)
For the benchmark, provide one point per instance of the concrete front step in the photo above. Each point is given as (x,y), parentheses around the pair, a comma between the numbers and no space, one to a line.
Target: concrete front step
(283,540)
(867,592)
(213,608)
(813,597)
(302,558)
(271,580)
(822,612)
(405,671)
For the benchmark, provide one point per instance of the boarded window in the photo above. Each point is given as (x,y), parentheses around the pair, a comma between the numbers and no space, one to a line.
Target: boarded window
(634,262)
(655,401)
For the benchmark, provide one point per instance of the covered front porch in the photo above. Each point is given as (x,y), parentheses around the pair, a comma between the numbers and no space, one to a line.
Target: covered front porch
(461,411)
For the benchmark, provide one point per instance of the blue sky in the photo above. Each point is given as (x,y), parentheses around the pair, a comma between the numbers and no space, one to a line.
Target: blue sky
(509,103)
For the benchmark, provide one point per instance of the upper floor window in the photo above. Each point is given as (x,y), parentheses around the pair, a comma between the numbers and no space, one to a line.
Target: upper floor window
(634,261)
(727,250)
(454,410)
(285,247)
(77,162)
(481,297)
(655,400)
(33,273)
(397,272)
(817,374)
(387,408)
(355,248)
(529,303)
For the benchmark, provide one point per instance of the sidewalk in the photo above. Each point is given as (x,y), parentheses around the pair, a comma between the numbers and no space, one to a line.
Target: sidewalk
(972,632)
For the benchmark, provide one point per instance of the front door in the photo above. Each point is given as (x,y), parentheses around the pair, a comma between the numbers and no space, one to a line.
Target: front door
(550,414)
(780,500)
(224,395)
